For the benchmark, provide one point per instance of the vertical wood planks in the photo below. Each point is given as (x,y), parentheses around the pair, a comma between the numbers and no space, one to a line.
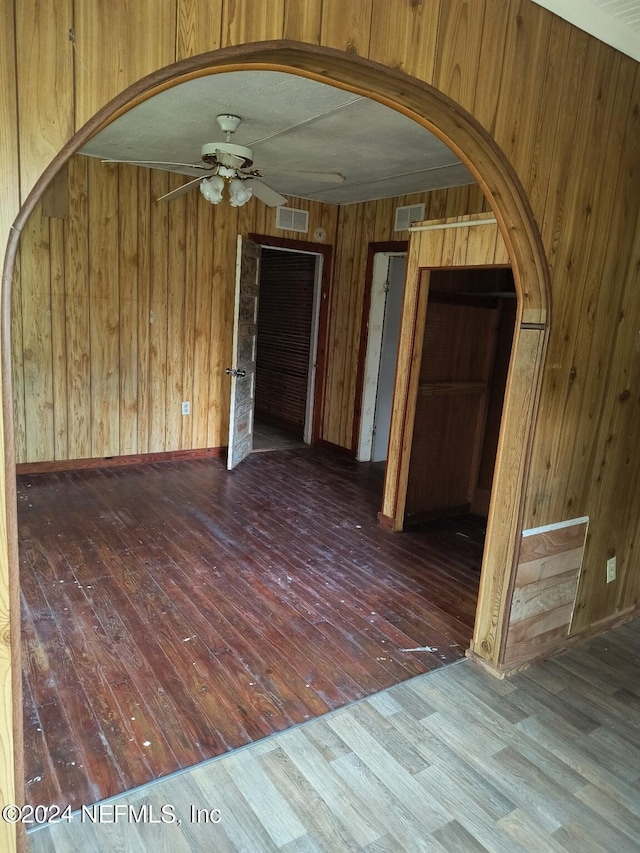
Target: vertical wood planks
(358,225)
(158,287)
(35,268)
(176,286)
(347,26)
(404,36)
(116,47)
(11,770)
(137,297)
(458,55)
(45,84)
(145,237)
(302,21)
(245,21)
(104,314)
(526,47)
(128,262)
(58,337)
(77,313)
(198,27)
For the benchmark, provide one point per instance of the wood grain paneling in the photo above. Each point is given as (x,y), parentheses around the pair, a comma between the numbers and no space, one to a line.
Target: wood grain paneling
(244,20)
(347,26)
(302,21)
(45,83)
(11,747)
(136,39)
(124,311)
(359,225)
(546,582)
(404,35)
(578,182)
(198,26)
(458,56)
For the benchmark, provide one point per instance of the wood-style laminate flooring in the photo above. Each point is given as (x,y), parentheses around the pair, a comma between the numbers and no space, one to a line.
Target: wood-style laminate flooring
(175,611)
(453,760)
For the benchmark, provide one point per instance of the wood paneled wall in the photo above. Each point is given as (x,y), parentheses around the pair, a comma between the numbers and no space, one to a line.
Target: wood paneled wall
(544,593)
(359,225)
(123,310)
(564,108)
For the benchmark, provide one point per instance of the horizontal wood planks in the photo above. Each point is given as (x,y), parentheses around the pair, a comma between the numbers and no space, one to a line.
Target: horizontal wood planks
(175,611)
(545,589)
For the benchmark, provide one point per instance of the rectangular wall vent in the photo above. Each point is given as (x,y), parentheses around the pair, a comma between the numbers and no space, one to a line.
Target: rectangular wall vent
(406,215)
(290,219)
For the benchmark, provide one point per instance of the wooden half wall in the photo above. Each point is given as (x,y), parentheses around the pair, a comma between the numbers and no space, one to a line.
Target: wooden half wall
(544,595)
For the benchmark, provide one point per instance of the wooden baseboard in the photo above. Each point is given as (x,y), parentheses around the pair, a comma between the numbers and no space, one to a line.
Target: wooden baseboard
(502,670)
(117,461)
(385,521)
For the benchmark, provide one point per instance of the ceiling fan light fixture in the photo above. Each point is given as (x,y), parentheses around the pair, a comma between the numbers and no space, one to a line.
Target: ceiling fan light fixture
(211,188)
(239,192)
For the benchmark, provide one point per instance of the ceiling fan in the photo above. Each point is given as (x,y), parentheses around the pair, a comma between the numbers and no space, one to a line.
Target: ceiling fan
(230,165)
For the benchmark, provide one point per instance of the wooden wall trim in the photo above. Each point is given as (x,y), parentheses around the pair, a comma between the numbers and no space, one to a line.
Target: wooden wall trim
(118,461)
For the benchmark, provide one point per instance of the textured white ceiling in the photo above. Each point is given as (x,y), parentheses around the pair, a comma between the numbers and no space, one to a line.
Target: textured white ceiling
(291,123)
(615,22)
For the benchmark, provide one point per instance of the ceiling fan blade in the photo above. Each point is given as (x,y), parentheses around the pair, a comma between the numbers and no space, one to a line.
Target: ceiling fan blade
(185,188)
(321,177)
(151,163)
(266,194)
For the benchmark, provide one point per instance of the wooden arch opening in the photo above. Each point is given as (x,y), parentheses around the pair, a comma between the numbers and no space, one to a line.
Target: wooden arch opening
(503,191)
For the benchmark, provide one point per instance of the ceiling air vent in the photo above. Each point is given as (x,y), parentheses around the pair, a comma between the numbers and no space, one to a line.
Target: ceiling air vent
(290,219)
(406,215)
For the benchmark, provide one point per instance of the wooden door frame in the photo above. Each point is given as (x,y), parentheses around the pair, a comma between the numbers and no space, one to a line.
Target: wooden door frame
(326,250)
(466,138)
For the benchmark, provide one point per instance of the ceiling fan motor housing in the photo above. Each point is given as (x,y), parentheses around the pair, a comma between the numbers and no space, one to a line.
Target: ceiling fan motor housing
(213,152)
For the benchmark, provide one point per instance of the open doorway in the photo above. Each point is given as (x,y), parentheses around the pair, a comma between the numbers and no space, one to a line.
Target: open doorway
(383,325)
(463,372)
(286,348)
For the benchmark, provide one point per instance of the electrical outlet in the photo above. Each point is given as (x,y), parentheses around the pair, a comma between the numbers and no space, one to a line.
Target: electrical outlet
(611,569)
(186,407)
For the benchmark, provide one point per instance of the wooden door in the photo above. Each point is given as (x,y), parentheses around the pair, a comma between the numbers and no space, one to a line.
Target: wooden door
(449,424)
(243,369)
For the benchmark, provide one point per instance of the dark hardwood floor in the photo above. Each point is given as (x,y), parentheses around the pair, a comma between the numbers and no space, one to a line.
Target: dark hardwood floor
(175,611)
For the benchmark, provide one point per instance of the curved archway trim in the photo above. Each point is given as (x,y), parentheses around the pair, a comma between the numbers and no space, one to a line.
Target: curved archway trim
(460,131)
